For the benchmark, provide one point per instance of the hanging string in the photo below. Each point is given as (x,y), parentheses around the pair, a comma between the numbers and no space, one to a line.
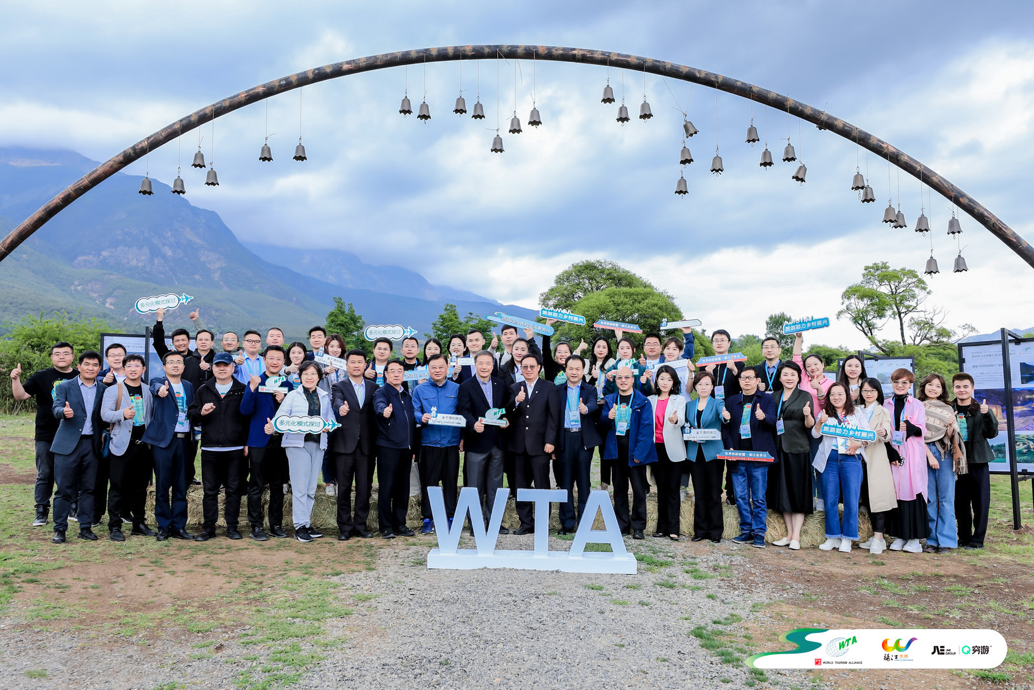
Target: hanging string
(898,174)
(622,87)
(534,80)
(479,81)
(497,83)
(425,79)
(766,128)
(179,155)
(890,195)
(211,163)
(300,115)
(716,117)
(922,206)
(800,141)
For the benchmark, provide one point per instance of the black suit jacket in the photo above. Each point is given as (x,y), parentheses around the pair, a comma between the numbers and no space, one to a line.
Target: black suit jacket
(588,394)
(358,427)
(535,419)
(472,405)
(469,372)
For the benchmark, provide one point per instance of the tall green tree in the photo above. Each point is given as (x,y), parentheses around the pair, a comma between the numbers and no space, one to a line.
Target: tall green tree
(585,278)
(344,320)
(774,329)
(449,323)
(883,293)
(643,306)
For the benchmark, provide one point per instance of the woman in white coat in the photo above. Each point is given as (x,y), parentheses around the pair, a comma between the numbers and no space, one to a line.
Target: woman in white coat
(305,450)
(669,414)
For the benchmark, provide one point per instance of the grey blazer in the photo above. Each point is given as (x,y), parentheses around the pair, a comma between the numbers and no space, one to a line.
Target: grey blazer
(112,414)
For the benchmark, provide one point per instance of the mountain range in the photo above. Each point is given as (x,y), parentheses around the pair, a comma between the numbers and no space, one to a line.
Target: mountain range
(113,246)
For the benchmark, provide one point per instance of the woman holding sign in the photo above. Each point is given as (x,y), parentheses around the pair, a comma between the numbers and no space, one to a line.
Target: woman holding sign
(789,480)
(669,414)
(907,450)
(705,467)
(942,438)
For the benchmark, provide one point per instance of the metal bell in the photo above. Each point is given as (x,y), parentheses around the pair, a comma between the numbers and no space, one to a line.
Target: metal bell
(681,188)
(899,221)
(858,182)
(801,172)
(623,114)
(534,119)
(515,125)
(960,264)
(688,129)
(789,154)
(199,160)
(716,165)
(177,186)
(752,135)
(867,196)
(889,214)
(766,158)
(931,266)
(461,106)
(299,152)
(210,179)
(685,157)
(145,187)
(266,155)
(479,111)
(497,144)
(954,227)
(425,112)
(922,225)
(608,94)
(644,111)
(406,108)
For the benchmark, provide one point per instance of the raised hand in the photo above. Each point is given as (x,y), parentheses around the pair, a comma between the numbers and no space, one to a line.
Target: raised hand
(725,414)
(238,360)
(255,381)
(164,390)
(387,412)
(208,408)
(68,411)
(581,346)
(816,383)
(520,396)
(370,373)
(823,418)
(268,428)
(495,342)
(194,314)
(759,413)
(807,409)
(983,406)
(529,332)
(16,373)
(479,427)
(903,428)
(642,360)
(343,410)
(160,316)
(550,322)
(109,378)
(613,412)
(710,369)
(673,418)
(203,365)
(686,330)
(582,408)
(129,412)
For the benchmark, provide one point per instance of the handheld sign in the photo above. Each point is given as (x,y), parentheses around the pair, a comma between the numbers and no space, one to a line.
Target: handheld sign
(303,425)
(752,455)
(674,364)
(506,319)
(804,325)
(416,374)
(722,359)
(672,325)
(617,326)
(562,315)
(493,417)
(146,305)
(701,435)
(274,384)
(829,429)
(331,361)
(446,419)
(395,332)
(464,361)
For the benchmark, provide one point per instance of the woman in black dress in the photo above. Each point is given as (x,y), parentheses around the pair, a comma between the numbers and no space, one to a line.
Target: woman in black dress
(789,480)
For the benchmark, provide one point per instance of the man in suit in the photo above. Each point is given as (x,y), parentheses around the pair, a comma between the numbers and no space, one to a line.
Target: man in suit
(317,338)
(534,412)
(484,444)
(353,445)
(475,344)
(77,445)
(577,439)
(766,371)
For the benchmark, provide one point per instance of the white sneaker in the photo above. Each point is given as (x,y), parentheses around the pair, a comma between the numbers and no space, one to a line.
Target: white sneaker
(878,545)
(845,545)
(829,544)
(897,545)
(332,489)
(782,542)
(913,546)
(287,489)
(820,505)
(867,544)
(795,545)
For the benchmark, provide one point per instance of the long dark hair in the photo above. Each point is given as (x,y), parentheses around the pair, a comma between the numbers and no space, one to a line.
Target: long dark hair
(830,409)
(842,375)
(777,385)
(676,382)
(921,391)
(610,351)
(441,349)
(463,340)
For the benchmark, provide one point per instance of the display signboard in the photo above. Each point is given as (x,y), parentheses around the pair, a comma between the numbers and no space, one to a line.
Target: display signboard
(139,345)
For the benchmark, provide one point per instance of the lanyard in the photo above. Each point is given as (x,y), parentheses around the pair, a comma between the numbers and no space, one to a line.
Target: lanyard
(771,376)
(779,409)
(724,372)
(577,398)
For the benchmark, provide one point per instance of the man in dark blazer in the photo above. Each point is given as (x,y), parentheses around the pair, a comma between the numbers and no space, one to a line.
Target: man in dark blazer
(534,413)
(77,445)
(577,439)
(352,445)
(484,444)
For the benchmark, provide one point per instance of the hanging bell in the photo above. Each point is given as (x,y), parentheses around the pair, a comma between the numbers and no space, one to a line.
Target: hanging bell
(210,179)
(899,221)
(266,154)
(199,160)
(681,188)
(858,182)
(931,266)
(497,144)
(479,112)
(954,227)
(752,135)
(515,125)
(608,94)
(644,111)
(788,154)
(766,158)
(177,186)
(425,112)
(685,157)
(623,114)
(145,187)
(867,196)
(406,108)
(889,215)
(534,119)
(799,175)
(688,129)
(299,152)
(716,165)
(960,264)
(922,225)
(461,106)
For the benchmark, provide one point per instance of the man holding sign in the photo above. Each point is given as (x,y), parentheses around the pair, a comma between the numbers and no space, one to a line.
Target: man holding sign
(440,445)
(483,443)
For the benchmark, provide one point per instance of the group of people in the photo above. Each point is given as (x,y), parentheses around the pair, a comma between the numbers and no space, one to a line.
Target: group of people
(534,414)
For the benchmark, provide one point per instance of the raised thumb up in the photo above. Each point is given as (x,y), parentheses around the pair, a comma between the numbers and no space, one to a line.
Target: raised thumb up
(68,411)
(387,412)
(268,429)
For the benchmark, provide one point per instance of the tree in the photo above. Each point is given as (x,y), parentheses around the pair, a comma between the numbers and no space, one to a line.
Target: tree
(883,292)
(928,327)
(449,323)
(774,329)
(350,325)
(643,306)
(866,309)
(586,277)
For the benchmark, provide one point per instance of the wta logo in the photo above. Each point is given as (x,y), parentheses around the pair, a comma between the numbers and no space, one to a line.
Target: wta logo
(896,647)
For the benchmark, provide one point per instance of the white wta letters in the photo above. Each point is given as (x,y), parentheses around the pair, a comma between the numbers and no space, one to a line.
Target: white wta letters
(485,555)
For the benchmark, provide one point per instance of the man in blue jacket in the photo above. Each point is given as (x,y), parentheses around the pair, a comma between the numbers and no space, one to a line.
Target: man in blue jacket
(77,445)
(749,423)
(168,431)
(628,418)
(440,444)
(264,454)
(578,437)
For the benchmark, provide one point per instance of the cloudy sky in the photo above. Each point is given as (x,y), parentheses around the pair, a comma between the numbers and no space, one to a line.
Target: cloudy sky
(951,87)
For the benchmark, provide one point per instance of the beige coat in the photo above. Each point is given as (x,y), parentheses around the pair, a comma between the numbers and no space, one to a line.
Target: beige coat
(882,495)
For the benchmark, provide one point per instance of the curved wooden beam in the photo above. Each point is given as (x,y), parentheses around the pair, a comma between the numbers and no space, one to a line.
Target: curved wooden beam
(672,70)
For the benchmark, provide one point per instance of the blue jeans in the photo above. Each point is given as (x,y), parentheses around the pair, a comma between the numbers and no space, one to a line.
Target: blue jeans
(842,478)
(940,509)
(749,484)
(816,480)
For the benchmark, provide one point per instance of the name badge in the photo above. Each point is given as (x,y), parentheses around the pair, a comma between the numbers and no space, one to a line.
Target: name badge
(779,427)
(624,418)
(897,438)
(719,392)
(574,416)
(744,430)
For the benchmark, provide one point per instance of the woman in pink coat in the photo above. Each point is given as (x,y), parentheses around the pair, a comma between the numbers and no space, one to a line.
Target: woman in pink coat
(909,521)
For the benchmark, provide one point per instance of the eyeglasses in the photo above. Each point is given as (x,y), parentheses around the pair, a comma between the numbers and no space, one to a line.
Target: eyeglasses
(623,377)
(252,341)
(529,367)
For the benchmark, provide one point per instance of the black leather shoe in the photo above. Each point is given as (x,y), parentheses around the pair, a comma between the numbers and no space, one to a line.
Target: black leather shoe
(142,530)
(313,532)
(344,536)
(116,535)
(697,539)
(387,534)
(564,532)
(730,500)
(59,537)
(638,534)
(233,533)
(503,530)
(204,535)
(87,534)
(364,533)
(181,534)
(162,535)
(278,532)
(659,535)
(41,516)
(405,531)
(259,534)
(523,529)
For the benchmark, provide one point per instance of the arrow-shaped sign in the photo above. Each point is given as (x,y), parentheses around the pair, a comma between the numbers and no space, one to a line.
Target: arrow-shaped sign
(804,325)
(562,315)
(303,425)
(722,359)
(395,332)
(540,328)
(617,326)
(147,305)
(672,325)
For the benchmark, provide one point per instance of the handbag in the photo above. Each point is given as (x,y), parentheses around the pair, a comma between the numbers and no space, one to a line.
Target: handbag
(106,434)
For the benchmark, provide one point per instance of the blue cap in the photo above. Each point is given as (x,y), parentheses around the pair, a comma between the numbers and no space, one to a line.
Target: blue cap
(223,358)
